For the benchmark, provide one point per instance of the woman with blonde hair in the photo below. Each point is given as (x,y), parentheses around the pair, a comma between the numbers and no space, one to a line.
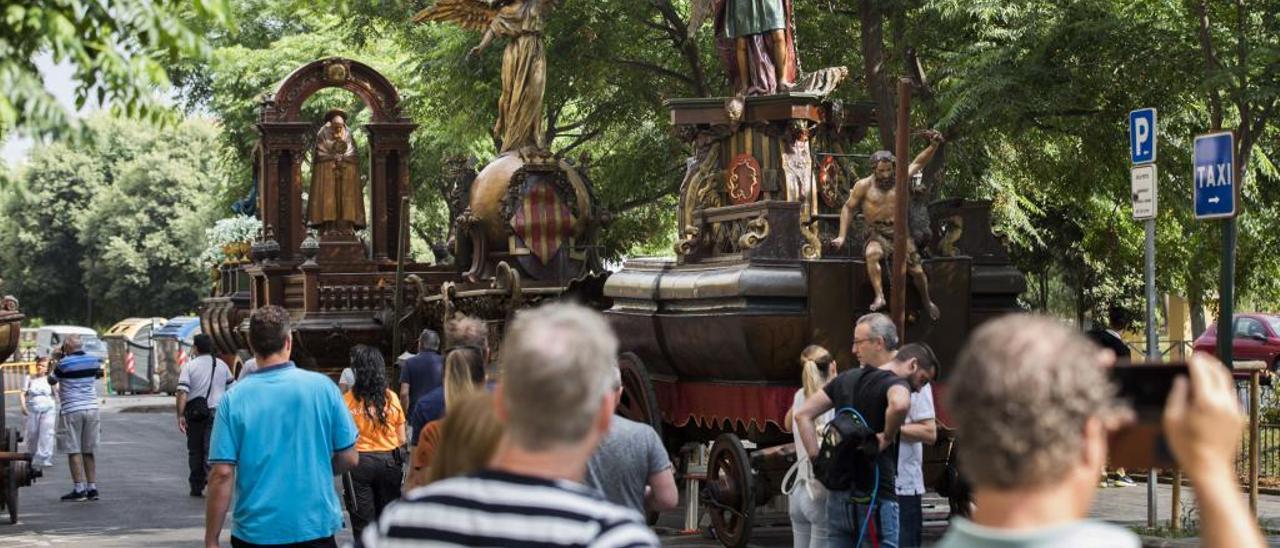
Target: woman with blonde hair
(808,497)
(468,438)
(463,375)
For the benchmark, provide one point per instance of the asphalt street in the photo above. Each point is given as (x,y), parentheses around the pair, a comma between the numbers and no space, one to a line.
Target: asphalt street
(142,470)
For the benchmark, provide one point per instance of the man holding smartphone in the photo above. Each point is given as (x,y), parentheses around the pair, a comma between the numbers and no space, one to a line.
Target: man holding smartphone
(1033,406)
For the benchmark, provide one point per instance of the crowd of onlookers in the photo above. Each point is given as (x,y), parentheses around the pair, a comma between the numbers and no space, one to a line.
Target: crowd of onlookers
(528,451)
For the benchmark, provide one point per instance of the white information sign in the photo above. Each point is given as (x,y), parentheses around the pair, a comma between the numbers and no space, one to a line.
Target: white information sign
(1143,185)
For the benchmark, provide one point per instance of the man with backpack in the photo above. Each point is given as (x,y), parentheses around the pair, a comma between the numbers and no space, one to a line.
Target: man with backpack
(200,386)
(857,460)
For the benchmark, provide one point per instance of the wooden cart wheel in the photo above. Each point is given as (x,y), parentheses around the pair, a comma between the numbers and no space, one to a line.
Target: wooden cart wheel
(729,492)
(17,469)
(639,401)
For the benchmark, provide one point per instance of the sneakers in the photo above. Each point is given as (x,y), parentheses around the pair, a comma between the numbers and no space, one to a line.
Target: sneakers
(1125,481)
(92,494)
(75,496)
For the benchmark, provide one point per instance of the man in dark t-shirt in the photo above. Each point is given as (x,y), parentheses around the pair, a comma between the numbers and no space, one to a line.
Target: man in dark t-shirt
(867,391)
(882,396)
(423,372)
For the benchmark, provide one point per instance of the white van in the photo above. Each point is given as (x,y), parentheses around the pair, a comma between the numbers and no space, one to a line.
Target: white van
(50,337)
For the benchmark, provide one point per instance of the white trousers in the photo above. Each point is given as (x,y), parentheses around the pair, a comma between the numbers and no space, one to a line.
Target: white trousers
(41,429)
(808,517)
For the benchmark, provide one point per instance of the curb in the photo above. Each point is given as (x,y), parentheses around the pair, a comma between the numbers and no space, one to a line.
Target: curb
(1165,480)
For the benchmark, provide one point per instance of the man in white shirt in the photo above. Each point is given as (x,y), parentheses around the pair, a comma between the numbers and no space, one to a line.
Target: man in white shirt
(920,428)
(201,384)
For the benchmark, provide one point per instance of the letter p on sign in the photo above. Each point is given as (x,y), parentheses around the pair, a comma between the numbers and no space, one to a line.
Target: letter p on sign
(1142,136)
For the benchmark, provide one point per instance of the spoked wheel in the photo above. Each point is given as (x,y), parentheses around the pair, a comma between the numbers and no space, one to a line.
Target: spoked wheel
(17,469)
(11,476)
(639,401)
(729,494)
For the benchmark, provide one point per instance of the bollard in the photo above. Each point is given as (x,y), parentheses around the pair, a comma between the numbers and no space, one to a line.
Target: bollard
(1254,402)
(1255,369)
(1175,522)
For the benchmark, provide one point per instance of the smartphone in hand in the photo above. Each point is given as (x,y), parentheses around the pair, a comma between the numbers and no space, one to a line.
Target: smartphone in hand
(1144,387)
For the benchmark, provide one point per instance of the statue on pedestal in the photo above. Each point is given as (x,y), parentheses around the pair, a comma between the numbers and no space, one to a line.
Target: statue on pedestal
(876,194)
(337,195)
(756,39)
(524,65)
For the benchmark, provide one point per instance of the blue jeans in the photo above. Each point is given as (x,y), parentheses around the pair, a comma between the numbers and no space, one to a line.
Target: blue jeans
(911,521)
(847,516)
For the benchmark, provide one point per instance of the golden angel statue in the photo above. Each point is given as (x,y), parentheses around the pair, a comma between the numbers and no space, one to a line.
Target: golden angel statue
(524,66)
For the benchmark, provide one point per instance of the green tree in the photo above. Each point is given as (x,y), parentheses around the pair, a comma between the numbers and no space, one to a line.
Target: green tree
(112,226)
(119,50)
(40,248)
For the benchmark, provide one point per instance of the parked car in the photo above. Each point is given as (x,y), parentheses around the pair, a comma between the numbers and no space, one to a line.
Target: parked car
(1257,337)
(50,337)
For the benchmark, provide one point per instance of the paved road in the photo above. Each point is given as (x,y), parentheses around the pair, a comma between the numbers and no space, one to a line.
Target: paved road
(142,477)
(142,471)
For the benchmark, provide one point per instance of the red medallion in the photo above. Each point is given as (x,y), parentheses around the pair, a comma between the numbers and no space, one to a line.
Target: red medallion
(743,181)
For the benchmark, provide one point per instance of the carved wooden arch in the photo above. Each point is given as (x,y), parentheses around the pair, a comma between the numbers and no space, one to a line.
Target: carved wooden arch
(335,72)
(284,141)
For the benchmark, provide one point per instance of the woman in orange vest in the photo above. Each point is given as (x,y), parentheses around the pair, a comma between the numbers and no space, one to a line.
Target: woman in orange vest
(380,421)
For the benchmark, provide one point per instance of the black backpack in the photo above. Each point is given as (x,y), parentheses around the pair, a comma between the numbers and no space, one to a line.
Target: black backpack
(847,451)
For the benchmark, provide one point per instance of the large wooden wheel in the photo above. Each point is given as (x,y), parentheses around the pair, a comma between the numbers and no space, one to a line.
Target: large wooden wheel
(639,402)
(17,469)
(729,494)
(11,472)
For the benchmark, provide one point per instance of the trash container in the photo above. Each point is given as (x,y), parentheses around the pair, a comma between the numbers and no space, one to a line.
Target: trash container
(131,364)
(173,344)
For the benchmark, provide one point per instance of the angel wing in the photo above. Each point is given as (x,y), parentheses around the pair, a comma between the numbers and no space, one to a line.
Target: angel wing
(468,14)
(698,14)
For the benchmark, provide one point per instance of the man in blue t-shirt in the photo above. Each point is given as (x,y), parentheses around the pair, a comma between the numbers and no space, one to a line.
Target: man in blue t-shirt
(281,435)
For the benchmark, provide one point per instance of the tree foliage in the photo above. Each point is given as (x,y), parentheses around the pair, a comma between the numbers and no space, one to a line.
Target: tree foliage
(118,49)
(112,226)
(1032,96)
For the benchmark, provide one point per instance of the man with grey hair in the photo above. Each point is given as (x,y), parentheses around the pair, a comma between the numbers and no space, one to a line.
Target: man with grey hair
(556,401)
(631,467)
(76,376)
(422,372)
(879,394)
(875,338)
(1033,407)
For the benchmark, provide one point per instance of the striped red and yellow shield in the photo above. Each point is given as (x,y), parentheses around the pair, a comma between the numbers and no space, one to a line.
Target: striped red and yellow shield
(129,363)
(543,222)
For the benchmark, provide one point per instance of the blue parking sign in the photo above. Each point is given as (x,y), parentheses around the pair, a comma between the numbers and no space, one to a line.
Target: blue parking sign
(1142,136)
(1213,166)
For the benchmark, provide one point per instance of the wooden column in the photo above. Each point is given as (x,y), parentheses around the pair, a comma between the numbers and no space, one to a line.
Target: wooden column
(378,198)
(283,146)
(389,154)
(898,287)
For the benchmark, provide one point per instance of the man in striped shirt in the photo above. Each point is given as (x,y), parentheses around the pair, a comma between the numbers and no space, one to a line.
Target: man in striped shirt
(555,401)
(76,375)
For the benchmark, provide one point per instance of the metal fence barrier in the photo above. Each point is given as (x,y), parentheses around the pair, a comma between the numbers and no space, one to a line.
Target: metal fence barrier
(15,375)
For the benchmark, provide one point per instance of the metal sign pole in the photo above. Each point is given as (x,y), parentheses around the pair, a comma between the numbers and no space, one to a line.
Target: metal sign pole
(1226,307)
(1153,349)
(1143,143)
